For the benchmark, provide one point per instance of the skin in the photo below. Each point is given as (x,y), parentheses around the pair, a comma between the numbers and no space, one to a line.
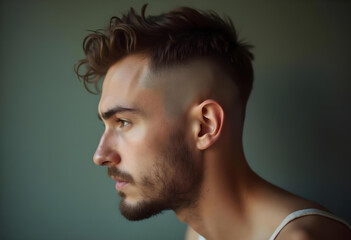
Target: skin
(156,164)
(226,200)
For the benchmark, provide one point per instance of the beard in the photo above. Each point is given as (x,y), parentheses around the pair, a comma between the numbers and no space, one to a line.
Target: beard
(173,183)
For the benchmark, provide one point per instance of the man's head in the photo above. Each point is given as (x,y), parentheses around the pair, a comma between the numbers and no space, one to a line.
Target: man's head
(169,79)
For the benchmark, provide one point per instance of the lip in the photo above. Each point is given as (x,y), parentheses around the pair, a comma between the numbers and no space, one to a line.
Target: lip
(120,184)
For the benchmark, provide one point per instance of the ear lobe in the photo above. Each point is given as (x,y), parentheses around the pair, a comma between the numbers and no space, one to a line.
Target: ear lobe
(211,118)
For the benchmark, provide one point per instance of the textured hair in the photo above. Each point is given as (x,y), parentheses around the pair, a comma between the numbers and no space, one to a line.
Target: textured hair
(168,39)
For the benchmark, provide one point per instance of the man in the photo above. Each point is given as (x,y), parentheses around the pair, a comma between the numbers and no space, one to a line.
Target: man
(173,102)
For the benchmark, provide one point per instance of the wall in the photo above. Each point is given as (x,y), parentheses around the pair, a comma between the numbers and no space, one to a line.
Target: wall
(297,133)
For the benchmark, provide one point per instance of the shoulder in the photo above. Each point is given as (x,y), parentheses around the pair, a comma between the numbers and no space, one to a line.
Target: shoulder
(297,234)
(313,228)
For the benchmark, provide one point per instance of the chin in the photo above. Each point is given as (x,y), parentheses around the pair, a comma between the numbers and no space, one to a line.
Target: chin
(141,210)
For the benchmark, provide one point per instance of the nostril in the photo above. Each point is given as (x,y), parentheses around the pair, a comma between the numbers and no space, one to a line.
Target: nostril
(105,154)
(113,158)
(109,158)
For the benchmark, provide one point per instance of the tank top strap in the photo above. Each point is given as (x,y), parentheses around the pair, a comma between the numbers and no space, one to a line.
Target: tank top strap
(304,212)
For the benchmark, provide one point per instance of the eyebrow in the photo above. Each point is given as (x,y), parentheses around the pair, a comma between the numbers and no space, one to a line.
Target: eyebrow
(118,109)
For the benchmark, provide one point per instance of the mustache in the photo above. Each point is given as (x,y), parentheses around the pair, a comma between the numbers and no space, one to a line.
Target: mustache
(116,173)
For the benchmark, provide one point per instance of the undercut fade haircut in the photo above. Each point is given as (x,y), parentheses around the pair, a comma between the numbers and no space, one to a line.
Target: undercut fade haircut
(168,39)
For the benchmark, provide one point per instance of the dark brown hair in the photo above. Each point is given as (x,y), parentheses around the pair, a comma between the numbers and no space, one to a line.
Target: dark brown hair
(168,39)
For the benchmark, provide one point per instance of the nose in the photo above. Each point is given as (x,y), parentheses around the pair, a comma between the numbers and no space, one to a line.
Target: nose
(105,155)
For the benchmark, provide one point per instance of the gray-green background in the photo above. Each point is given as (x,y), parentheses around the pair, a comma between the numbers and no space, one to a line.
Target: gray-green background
(297,133)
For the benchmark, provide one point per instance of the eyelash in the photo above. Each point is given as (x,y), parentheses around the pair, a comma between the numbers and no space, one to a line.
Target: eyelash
(123,123)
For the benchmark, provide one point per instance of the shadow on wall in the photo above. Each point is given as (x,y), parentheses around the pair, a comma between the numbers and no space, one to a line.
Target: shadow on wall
(309,119)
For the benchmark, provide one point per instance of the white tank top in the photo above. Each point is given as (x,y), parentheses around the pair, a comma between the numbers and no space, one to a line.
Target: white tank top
(301,213)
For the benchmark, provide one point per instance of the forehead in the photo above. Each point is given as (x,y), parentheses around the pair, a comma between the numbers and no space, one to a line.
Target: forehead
(123,82)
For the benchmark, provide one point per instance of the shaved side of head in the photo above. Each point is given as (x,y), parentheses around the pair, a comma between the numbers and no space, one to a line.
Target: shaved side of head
(192,82)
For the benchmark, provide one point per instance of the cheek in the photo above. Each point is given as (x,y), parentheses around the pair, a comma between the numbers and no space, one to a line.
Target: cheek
(147,136)
(140,148)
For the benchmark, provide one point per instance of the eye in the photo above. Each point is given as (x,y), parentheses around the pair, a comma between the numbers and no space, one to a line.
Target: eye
(122,122)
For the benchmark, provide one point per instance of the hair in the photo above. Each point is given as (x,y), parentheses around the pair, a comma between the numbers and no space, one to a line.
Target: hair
(168,39)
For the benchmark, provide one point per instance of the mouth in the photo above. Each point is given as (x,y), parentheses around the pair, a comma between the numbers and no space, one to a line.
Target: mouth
(122,178)
(120,184)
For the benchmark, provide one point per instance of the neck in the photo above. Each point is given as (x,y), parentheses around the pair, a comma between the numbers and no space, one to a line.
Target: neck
(234,202)
(222,209)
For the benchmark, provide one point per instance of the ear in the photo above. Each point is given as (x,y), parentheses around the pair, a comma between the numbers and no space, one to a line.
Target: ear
(209,120)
